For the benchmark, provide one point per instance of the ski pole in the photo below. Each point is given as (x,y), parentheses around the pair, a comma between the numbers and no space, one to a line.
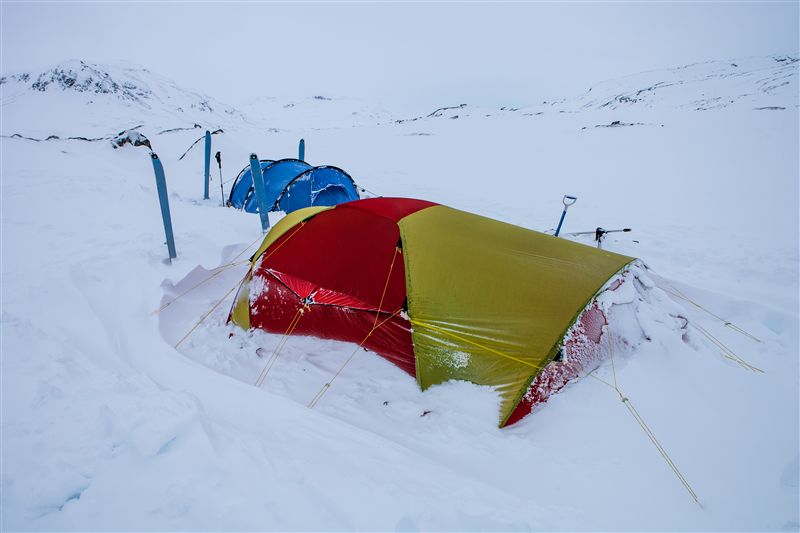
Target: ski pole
(568,201)
(218,157)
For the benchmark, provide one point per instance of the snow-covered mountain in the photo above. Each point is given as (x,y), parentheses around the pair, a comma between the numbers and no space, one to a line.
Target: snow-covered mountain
(82,98)
(760,83)
(106,425)
(755,83)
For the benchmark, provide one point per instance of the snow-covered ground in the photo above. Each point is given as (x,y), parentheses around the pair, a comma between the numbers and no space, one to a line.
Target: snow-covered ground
(105,425)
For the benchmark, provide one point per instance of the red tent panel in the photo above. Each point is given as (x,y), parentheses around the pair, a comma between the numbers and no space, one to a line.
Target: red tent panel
(350,251)
(275,314)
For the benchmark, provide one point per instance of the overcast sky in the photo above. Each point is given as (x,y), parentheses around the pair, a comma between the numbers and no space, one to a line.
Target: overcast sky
(412,55)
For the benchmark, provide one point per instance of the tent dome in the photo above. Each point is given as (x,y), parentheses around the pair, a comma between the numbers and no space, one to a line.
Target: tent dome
(292,184)
(441,293)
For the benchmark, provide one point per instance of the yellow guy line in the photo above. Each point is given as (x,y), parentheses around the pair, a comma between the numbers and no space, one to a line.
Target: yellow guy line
(281,343)
(642,423)
(238,284)
(445,332)
(375,326)
(327,386)
(385,286)
(217,271)
(674,291)
(625,400)
(204,316)
(299,226)
(220,269)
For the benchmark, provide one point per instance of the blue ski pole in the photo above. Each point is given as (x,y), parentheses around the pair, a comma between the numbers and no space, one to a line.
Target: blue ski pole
(208,164)
(568,201)
(302,150)
(163,199)
(261,192)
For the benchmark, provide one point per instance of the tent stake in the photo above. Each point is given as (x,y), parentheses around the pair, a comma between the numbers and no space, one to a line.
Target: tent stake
(163,199)
(261,193)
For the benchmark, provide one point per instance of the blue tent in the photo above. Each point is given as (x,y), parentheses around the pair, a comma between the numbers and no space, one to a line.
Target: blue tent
(292,184)
(324,185)
(242,194)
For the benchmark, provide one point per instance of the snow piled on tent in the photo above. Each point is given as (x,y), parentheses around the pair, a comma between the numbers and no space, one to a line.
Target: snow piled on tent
(105,425)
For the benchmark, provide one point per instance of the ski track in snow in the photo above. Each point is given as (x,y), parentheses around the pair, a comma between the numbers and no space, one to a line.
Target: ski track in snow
(106,426)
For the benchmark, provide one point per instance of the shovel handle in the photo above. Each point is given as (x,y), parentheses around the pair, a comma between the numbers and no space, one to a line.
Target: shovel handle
(569,200)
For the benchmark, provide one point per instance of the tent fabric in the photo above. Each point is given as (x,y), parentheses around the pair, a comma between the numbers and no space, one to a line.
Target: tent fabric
(515,292)
(463,296)
(240,313)
(323,185)
(241,194)
(278,175)
(292,184)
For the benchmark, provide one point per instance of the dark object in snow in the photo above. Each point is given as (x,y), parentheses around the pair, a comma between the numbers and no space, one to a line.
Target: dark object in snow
(134,138)
(600,233)
(436,114)
(53,138)
(195,126)
(617,124)
(216,131)
(218,157)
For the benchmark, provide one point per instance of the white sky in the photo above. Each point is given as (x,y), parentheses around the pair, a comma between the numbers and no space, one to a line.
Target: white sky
(407,55)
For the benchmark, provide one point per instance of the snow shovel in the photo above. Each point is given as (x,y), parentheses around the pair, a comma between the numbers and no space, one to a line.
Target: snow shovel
(568,201)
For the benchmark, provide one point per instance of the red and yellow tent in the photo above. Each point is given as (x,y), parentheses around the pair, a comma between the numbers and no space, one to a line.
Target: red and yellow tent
(441,293)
